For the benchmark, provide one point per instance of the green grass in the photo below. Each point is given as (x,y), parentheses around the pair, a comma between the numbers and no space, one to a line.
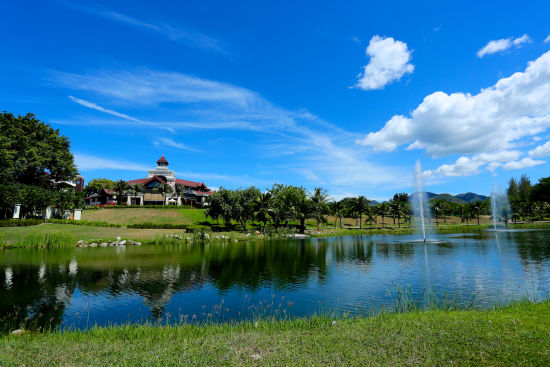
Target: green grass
(514,335)
(138,215)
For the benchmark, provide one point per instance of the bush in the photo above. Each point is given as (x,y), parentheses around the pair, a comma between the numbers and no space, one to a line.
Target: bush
(20,222)
(93,223)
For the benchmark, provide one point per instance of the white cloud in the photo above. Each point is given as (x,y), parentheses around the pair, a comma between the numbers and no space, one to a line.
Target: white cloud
(168,142)
(94,106)
(465,166)
(190,38)
(524,163)
(460,123)
(503,44)
(389,61)
(89,162)
(547,39)
(541,151)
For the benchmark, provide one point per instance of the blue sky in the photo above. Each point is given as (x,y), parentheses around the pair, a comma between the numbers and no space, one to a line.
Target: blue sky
(344,96)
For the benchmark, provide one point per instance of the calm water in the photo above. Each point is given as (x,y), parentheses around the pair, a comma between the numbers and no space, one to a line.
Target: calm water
(80,287)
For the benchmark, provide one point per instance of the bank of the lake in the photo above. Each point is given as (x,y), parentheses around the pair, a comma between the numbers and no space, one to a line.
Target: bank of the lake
(518,334)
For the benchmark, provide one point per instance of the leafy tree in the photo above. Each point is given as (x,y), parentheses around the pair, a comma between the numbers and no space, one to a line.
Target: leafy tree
(513,191)
(34,160)
(524,188)
(97,184)
(165,189)
(180,189)
(136,188)
(359,206)
(541,191)
(397,204)
(383,210)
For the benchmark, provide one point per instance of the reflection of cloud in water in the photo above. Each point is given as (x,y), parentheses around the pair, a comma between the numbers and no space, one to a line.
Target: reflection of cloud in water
(42,273)
(73,267)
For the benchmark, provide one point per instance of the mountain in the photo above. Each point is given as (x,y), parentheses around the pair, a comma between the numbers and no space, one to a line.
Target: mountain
(470,197)
(460,198)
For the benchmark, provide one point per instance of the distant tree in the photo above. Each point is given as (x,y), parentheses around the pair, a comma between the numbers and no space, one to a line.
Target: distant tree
(383,210)
(541,191)
(359,206)
(120,188)
(524,188)
(261,208)
(97,184)
(180,189)
(513,191)
(337,209)
(136,189)
(397,203)
(165,190)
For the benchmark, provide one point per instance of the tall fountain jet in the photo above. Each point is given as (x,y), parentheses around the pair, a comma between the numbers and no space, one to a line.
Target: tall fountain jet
(419,200)
(500,207)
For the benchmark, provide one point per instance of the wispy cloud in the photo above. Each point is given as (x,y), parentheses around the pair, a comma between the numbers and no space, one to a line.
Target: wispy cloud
(90,162)
(503,44)
(186,36)
(168,142)
(547,39)
(96,107)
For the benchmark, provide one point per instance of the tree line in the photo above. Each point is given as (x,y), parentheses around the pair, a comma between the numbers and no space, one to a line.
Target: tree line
(527,201)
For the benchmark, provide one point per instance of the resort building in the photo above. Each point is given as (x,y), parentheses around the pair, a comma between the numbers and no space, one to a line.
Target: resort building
(160,187)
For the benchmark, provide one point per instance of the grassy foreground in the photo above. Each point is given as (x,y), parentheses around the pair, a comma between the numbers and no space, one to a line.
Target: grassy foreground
(518,334)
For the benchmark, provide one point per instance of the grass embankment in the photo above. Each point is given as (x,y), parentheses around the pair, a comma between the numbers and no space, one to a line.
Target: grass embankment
(137,215)
(515,335)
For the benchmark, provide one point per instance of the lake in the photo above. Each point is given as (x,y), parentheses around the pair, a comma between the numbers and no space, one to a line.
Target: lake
(82,287)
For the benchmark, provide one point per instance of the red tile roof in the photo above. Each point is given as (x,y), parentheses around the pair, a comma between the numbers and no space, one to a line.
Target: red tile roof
(188,183)
(162,160)
(146,180)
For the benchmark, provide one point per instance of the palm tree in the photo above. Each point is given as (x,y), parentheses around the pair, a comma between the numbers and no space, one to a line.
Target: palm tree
(382,210)
(180,189)
(165,189)
(261,208)
(359,206)
(337,209)
(319,201)
(120,187)
(137,188)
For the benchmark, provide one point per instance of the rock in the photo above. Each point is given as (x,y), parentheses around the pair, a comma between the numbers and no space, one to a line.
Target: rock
(248,235)
(138,243)
(122,243)
(18,332)
(103,244)
(118,238)
(93,244)
(258,232)
(255,357)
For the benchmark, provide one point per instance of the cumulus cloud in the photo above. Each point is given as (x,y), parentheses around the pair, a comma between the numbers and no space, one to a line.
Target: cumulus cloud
(389,61)
(503,44)
(493,120)
(523,163)
(465,166)
(541,151)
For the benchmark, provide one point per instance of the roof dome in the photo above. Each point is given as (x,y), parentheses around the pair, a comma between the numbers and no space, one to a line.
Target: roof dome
(162,160)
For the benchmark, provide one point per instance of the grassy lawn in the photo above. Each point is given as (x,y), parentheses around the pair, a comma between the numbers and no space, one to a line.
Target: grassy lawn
(13,234)
(513,336)
(137,215)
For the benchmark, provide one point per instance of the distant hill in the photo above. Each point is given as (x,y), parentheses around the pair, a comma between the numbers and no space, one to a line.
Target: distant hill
(470,197)
(460,198)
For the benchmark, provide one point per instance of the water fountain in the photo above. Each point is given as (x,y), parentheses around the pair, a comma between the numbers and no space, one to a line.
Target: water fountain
(419,201)
(500,208)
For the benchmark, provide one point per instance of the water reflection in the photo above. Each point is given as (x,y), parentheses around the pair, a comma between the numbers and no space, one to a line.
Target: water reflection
(83,286)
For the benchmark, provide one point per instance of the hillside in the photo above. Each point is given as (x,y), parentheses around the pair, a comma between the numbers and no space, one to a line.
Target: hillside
(460,198)
(470,197)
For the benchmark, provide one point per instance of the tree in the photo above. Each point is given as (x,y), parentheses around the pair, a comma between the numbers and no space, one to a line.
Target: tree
(319,200)
(524,188)
(165,189)
(137,188)
(120,188)
(261,208)
(512,191)
(337,209)
(359,206)
(97,184)
(383,210)
(180,189)
(397,204)
(476,206)
(541,191)
(34,158)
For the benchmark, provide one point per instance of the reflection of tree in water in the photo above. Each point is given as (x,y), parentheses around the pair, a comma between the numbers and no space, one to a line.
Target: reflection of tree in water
(34,298)
(357,250)
(400,250)
(252,264)
(533,248)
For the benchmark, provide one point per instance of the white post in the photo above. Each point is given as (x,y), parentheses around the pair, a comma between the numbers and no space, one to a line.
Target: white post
(128,200)
(141,200)
(179,200)
(17,211)
(77,214)
(48,214)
